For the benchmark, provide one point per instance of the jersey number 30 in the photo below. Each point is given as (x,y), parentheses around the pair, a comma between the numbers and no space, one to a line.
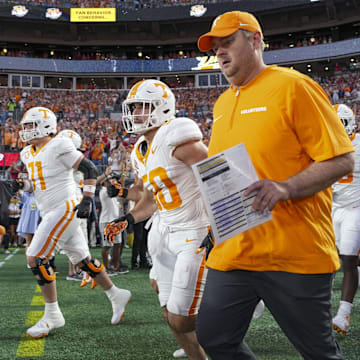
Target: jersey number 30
(165,183)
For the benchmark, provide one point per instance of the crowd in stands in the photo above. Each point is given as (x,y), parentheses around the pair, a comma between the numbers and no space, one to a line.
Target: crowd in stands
(147,54)
(299,42)
(91,113)
(126,4)
(125,54)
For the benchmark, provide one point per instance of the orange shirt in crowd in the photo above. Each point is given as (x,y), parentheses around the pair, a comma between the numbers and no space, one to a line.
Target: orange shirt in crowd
(97,151)
(7,138)
(286,122)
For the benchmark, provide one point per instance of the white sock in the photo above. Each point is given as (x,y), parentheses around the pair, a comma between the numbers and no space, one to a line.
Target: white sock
(112,293)
(52,310)
(345,308)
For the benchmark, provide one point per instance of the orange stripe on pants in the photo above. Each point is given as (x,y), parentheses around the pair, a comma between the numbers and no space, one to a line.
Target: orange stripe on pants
(48,240)
(198,287)
(62,230)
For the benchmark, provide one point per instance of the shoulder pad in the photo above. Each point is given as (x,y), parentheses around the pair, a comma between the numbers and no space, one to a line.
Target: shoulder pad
(182,130)
(63,145)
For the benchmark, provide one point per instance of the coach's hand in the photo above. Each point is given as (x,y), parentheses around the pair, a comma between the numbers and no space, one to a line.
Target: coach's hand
(84,207)
(268,193)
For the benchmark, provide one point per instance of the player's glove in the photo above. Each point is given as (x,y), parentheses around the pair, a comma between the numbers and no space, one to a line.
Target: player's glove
(117,226)
(115,189)
(17,184)
(84,207)
(207,244)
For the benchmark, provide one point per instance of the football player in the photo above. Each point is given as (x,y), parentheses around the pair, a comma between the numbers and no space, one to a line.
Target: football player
(50,162)
(162,159)
(346,220)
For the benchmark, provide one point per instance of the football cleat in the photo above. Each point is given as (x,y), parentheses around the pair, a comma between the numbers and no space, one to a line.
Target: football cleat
(341,323)
(44,326)
(118,305)
(179,354)
(259,310)
(87,279)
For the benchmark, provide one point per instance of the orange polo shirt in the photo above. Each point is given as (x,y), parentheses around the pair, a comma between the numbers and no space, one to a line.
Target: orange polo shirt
(286,122)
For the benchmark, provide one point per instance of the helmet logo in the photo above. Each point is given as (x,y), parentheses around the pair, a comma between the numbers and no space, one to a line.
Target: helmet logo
(45,112)
(134,90)
(163,86)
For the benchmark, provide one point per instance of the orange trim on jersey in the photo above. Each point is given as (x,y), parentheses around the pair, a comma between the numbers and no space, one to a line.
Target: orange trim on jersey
(35,152)
(53,231)
(195,304)
(143,158)
(62,229)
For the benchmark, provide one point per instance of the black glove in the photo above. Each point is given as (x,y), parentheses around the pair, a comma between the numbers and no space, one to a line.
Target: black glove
(17,184)
(207,244)
(84,207)
(117,226)
(112,191)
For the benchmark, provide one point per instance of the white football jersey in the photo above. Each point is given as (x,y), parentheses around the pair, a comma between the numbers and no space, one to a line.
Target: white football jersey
(51,173)
(171,181)
(79,181)
(346,191)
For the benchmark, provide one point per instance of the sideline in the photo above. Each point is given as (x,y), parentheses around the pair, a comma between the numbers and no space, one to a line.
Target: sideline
(9,257)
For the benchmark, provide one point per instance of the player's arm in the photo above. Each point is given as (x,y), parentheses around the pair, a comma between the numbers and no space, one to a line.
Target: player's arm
(104,175)
(145,207)
(191,152)
(142,211)
(90,172)
(133,193)
(316,177)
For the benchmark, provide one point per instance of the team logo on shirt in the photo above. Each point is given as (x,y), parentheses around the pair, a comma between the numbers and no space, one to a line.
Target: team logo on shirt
(252,110)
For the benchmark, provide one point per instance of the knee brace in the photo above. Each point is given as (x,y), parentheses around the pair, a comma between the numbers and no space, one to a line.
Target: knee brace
(93,267)
(42,270)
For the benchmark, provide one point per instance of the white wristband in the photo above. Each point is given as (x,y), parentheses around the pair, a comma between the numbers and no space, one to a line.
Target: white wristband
(89,188)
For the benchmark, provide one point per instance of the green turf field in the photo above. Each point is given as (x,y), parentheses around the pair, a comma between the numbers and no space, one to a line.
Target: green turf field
(142,334)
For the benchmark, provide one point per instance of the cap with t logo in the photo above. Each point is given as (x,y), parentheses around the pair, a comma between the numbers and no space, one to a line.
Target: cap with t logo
(226,24)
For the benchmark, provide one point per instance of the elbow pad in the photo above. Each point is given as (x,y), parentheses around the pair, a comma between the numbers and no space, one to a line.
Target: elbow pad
(88,168)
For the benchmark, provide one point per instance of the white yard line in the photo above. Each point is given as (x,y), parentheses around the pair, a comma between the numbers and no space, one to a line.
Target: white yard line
(8,257)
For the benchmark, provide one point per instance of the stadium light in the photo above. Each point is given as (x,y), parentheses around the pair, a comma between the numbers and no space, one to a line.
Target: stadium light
(5,50)
(140,54)
(52,53)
